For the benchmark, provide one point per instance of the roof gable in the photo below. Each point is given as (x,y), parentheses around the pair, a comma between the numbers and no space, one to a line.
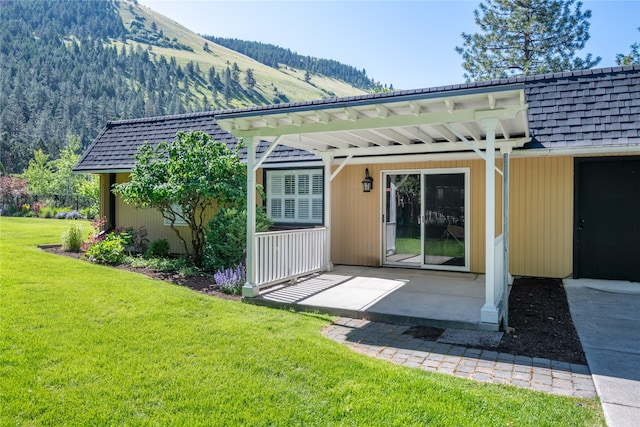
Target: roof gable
(115,148)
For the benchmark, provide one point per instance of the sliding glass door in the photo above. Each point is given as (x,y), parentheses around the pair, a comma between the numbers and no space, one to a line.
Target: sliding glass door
(425,219)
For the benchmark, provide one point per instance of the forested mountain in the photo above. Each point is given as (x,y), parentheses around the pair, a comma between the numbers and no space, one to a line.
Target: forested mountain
(68,67)
(275,56)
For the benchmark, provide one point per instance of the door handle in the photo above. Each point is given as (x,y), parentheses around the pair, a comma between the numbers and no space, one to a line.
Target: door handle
(580,224)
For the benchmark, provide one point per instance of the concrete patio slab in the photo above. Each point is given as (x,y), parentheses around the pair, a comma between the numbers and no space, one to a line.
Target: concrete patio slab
(354,294)
(392,295)
(606,315)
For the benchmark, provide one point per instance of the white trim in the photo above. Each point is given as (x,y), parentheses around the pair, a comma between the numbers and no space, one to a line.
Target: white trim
(521,153)
(601,150)
(293,202)
(340,166)
(266,154)
(292,165)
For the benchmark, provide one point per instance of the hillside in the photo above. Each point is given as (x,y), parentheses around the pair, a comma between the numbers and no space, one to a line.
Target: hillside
(66,68)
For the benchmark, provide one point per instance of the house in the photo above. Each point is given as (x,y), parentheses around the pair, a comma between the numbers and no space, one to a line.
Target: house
(404,179)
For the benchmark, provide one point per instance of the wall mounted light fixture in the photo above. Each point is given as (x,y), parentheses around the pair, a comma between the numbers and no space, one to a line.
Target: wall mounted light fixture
(367,182)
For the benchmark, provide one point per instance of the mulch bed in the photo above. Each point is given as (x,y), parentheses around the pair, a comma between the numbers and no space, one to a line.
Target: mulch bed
(538,313)
(541,321)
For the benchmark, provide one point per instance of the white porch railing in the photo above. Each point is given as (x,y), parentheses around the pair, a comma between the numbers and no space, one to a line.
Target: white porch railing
(498,272)
(286,255)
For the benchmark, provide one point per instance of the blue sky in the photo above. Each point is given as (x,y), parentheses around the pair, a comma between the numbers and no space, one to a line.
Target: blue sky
(409,44)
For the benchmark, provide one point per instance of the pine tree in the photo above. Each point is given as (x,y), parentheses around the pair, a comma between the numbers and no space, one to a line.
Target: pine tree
(249,79)
(632,57)
(235,72)
(531,36)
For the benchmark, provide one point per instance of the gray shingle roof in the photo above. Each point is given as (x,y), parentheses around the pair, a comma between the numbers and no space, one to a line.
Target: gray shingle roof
(598,107)
(114,149)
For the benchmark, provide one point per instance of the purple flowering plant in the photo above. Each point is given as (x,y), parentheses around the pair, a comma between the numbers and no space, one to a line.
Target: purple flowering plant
(231,280)
(72,215)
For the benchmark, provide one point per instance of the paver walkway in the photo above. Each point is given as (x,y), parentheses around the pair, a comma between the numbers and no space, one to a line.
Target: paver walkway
(387,341)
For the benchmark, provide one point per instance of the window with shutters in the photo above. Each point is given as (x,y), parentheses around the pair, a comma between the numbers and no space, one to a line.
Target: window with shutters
(295,196)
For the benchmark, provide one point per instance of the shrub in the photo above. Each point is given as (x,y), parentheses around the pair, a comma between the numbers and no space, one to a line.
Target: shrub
(46,212)
(158,249)
(35,207)
(60,215)
(72,238)
(90,213)
(226,238)
(230,280)
(111,250)
(97,234)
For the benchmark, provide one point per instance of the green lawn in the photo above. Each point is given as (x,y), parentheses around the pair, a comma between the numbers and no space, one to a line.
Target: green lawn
(440,247)
(83,344)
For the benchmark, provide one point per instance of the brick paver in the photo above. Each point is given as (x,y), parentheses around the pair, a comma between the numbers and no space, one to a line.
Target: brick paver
(386,341)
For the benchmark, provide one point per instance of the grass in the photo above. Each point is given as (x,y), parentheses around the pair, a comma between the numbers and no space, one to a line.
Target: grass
(440,247)
(83,344)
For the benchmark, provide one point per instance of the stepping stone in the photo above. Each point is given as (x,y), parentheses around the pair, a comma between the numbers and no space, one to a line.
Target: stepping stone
(471,337)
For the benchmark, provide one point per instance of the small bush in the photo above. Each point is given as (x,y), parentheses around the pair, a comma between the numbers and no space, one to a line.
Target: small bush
(35,207)
(60,215)
(90,213)
(230,280)
(72,238)
(158,249)
(111,250)
(178,265)
(46,212)
(226,238)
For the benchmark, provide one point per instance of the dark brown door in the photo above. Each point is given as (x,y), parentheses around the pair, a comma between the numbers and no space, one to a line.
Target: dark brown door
(607,218)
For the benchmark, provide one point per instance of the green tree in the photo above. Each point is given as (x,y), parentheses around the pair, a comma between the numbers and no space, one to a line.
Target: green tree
(531,36)
(235,72)
(65,182)
(632,57)
(39,174)
(186,179)
(249,79)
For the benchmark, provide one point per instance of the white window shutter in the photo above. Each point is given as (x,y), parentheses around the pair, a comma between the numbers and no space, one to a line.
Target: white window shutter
(295,196)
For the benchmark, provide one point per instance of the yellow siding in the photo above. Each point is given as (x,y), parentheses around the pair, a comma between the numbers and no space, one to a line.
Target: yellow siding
(357,216)
(130,217)
(541,216)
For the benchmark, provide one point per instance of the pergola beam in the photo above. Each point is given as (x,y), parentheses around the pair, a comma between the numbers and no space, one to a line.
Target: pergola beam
(243,129)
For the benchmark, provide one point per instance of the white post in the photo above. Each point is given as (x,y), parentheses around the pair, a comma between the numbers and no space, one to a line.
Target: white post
(250,288)
(505,233)
(326,160)
(489,312)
